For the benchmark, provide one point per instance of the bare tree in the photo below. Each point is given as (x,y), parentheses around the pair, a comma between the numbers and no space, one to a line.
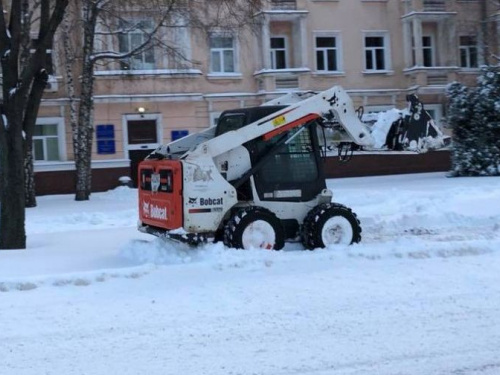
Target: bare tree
(98,18)
(28,9)
(93,13)
(22,90)
(107,19)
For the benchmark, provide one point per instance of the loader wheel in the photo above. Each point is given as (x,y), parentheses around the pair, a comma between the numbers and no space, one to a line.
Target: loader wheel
(330,224)
(254,227)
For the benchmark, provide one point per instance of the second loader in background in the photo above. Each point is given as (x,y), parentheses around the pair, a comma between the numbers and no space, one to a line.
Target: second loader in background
(256,179)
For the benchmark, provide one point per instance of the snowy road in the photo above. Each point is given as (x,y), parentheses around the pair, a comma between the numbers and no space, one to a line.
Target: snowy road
(419,295)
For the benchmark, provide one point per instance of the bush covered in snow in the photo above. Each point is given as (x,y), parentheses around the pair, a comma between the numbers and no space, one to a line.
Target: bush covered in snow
(474,115)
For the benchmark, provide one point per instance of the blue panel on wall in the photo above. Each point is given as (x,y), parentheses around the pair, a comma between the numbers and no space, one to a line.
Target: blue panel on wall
(105,131)
(177,134)
(106,147)
(105,137)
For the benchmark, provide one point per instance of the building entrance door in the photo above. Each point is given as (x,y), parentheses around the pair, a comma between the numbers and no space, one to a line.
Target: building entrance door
(142,137)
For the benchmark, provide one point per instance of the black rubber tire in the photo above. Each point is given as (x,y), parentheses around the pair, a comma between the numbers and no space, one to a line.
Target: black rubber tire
(234,228)
(219,235)
(312,227)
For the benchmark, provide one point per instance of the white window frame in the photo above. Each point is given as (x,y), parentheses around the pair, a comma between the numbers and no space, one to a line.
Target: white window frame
(431,48)
(338,50)
(467,49)
(143,64)
(61,138)
(438,114)
(180,37)
(274,50)
(386,48)
(235,50)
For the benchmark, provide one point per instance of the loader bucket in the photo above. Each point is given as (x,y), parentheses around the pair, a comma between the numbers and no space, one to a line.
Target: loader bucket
(415,131)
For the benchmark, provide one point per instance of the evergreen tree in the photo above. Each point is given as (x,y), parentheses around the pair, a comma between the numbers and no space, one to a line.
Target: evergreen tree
(474,115)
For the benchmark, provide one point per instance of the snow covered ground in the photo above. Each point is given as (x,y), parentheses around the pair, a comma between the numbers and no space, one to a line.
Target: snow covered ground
(419,295)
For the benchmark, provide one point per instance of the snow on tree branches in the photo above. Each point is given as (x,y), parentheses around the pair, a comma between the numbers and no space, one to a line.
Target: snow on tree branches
(474,115)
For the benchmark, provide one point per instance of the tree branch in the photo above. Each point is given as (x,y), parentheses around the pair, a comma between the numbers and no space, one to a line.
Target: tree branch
(15,34)
(34,101)
(141,48)
(45,43)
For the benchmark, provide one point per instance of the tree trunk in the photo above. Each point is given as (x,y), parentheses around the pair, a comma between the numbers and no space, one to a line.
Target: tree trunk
(29,172)
(12,216)
(82,170)
(32,107)
(69,59)
(3,147)
(82,140)
(22,75)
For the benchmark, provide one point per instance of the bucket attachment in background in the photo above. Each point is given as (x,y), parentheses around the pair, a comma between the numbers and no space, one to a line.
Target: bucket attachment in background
(415,131)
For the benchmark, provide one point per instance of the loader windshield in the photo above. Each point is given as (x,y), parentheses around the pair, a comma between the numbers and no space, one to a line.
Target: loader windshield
(233,121)
(294,162)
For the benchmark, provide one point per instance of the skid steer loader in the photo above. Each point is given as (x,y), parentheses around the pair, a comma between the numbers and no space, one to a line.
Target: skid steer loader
(256,179)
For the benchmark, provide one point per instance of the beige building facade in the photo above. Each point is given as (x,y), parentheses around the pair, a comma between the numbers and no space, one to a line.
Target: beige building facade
(378,50)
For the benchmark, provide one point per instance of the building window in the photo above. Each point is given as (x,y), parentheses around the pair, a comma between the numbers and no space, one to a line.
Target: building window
(327,54)
(376,53)
(222,54)
(278,52)
(47,140)
(427,51)
(142,131)
(177,37)
(284,4)
(136,35)
(468,52)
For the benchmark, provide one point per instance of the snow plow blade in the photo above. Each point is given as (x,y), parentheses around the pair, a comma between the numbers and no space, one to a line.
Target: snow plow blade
(178,235)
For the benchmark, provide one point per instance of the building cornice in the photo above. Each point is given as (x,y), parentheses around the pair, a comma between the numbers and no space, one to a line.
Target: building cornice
(184,73)
(272,72)
(435,16)
(127,98)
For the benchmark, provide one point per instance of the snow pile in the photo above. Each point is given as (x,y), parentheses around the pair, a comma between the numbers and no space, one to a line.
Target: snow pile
(121,193)
(213,255)
(382,125)
(160,252)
